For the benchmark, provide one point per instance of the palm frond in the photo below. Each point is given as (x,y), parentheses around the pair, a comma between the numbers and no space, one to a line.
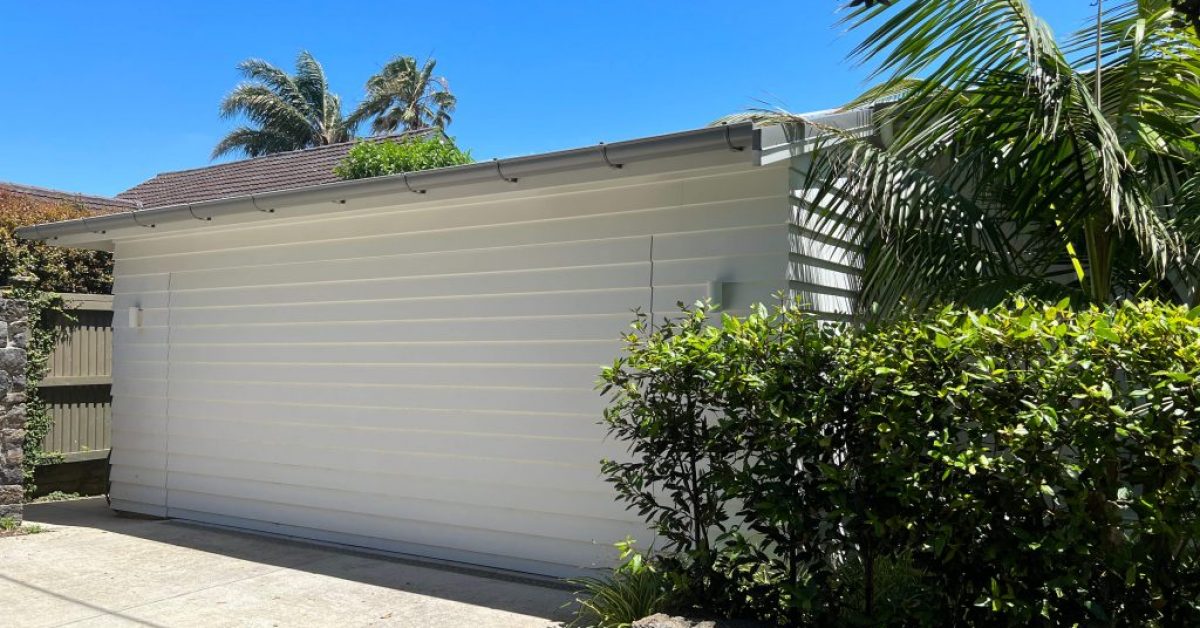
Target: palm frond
(1000,150)
(290,111)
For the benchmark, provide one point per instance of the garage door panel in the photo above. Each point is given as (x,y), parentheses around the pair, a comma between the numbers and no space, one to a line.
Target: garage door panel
(482,281)
(563,558)
(352,499)
(491,214)
(528,399)
(589,352)
(297,416)
(607,301)
(466,375)
(733,215)
(509,472)
(529,328)
(344,440)
(387,482)
(551,255)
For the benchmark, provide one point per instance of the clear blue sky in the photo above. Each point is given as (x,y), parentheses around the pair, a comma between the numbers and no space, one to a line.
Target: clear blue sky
(98,96)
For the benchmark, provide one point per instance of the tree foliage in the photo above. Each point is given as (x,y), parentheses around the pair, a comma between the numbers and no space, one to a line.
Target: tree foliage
(1027,464)
(406,96)
(285,111)
(378,158)
(1000,166)
(54,269)
(34,272)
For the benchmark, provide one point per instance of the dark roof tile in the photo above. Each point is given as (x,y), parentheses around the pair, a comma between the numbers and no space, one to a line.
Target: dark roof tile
(281,171)
(97,204)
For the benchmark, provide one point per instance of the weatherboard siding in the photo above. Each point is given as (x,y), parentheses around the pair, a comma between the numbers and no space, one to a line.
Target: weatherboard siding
(825,262)
(420,378)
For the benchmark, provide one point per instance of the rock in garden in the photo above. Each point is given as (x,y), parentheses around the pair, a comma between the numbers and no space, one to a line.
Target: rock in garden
(662,620)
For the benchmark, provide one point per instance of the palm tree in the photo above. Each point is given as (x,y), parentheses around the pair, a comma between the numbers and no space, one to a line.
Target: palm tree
(403,96)
(1010,166)
(288,112)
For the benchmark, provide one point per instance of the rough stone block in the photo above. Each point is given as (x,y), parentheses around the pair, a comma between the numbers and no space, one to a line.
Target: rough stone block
(12,457)
(12,437)
(14,331)
(12,360)
(17,325)
(12,475)
(12,512)
(11,494)
(13,418)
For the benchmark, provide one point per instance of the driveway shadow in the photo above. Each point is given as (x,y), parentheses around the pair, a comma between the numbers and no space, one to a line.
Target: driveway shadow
(460,583)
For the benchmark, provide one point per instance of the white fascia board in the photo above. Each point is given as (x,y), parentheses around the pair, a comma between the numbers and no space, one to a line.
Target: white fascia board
(785,141)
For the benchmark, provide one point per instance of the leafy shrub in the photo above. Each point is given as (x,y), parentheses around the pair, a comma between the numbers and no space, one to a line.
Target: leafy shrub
(1027,464)
(34,272)
(56,269)
(636,589)
(47,312)
(1041,463)
(664,389)
(377,158)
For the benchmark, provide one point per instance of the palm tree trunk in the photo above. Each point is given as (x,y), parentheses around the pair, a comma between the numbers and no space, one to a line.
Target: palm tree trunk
(1096,235)
(1098,240)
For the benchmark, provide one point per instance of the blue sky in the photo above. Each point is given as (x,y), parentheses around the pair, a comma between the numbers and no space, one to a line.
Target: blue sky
(98,96)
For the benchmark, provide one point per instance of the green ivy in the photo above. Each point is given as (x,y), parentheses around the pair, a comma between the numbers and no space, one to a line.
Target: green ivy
(372,158)
(46,311)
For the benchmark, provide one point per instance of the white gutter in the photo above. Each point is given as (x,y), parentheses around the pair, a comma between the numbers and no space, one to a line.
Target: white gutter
(742,137)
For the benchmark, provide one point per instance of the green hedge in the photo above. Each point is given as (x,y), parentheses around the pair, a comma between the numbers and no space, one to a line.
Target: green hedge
(371,158)
(1025,465)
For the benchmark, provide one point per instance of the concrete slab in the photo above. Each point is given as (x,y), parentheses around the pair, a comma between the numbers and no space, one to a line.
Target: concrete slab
(91,568)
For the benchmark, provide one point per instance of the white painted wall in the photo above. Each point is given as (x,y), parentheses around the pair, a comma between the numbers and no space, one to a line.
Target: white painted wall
(420,378)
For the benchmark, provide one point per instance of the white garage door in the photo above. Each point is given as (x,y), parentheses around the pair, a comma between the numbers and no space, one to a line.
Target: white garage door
(420,379)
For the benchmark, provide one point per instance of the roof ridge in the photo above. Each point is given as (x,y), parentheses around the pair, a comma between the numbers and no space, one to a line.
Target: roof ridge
(295,168)
(35,190)
(310,149)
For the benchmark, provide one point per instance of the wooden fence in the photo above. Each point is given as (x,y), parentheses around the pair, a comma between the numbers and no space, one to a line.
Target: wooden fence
(78,385)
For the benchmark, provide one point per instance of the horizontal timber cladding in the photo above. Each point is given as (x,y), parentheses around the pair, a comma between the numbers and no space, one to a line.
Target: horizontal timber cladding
(420,378)
(826,259)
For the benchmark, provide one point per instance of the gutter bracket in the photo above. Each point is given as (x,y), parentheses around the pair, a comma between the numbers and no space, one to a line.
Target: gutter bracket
(410,187)
(608,162)
(501,172)
(729,140)
(85,222)
(193,213)
(133,213)
(254,202)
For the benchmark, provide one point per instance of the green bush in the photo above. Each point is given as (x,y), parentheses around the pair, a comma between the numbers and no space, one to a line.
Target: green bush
(636,589)
(370,158)
(54,268)
(663,388)
(1028,464)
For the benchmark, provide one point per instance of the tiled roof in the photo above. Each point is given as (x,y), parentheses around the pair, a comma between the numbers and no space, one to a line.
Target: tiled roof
(98,204)
(281,171)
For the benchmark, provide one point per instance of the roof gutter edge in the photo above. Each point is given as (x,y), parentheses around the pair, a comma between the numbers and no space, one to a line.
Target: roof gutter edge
(734,137)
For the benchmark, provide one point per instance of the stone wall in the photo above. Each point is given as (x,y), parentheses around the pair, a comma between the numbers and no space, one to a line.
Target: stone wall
(14,334)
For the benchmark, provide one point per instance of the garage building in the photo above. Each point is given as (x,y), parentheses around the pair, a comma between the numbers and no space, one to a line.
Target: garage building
(408,363)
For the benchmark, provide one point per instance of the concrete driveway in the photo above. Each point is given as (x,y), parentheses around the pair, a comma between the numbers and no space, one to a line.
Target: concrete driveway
(92,568)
